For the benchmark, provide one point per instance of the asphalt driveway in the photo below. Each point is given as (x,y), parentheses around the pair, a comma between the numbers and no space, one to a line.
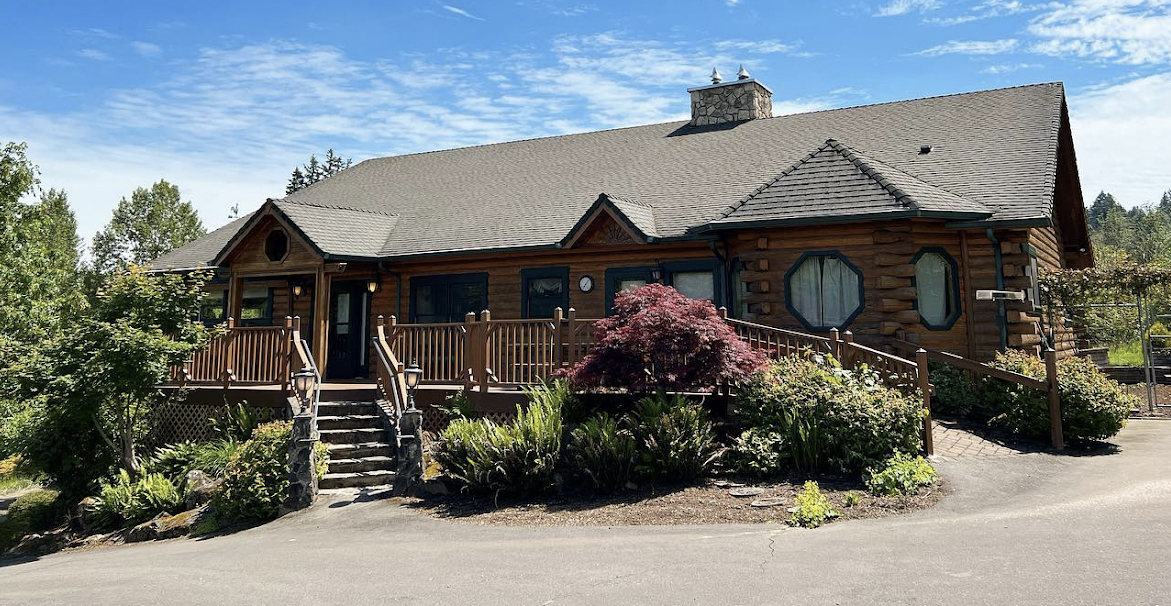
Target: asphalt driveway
(1027,529)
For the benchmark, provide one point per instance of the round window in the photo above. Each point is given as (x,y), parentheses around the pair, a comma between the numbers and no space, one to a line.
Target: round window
(276,246)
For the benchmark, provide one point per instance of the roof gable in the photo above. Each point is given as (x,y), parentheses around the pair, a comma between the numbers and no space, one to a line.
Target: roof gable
(633,217)
(837,182)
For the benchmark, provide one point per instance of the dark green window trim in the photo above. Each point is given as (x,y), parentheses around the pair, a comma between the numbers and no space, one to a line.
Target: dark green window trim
(671,268)
(833,254)
(617,274)
(266,319)
(449,280)
(526,275)
(954,288)
(209,301)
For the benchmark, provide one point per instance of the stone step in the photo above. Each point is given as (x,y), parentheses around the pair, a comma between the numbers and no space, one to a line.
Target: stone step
(361,464)
(327,409)
(354,480)
(349,421)
(353,436)
(360,450)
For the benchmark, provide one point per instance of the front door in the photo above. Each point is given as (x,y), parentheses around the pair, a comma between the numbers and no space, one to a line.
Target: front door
(347,330)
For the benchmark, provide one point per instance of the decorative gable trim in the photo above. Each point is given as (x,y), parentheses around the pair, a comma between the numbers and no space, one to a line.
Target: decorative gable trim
(634,218)
(269,209)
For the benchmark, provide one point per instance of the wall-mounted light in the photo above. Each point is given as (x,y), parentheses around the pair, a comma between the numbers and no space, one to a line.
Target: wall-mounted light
(299,287)
(298,290)
(656,274)
(373,285)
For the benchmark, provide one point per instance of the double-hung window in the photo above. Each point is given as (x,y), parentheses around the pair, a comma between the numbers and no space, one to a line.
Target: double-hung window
(543,290)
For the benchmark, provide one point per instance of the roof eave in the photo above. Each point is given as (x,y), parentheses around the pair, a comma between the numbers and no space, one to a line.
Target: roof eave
(880,216)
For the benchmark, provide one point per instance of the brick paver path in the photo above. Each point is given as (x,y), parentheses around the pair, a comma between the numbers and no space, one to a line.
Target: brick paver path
(952,441)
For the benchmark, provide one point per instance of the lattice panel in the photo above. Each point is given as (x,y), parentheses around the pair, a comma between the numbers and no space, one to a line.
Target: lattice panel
(182,421)
(435,421)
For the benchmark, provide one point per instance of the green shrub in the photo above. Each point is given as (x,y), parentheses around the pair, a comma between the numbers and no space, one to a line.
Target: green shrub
(560,395)
(812,507)
(759,452)
(257,477)
(604,452)
(320,459)
(172,460)
(212,458)
(458,406)
(515,458)
(675,439)
(956,394)
(828,417)
(36,511)
(852,499)
(125,502)
(1157,334)
(901,475)
(14,475)
(1093,407)
(237,422)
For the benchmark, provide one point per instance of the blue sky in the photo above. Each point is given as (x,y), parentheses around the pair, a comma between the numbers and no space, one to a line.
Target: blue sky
(225,100)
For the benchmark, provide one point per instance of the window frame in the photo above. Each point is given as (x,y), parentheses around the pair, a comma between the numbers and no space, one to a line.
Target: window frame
(223,295)
(670,268)
(616,274)
(266,319)
(540,273)
(954,288)
(833,254)
(448,280)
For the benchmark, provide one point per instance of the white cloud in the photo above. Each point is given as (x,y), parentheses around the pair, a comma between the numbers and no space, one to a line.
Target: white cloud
(986,10)
(902,7)
(971,47)
(461,12)
(146,49)
(1007,68)
(1118,131)
(731,2)
(1134,32)
(93,54)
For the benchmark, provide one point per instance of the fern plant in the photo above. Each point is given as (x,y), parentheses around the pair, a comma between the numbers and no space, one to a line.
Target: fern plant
(604,451)
(676,441)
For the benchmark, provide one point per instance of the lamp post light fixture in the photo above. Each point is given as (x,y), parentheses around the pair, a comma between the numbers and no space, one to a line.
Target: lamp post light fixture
(413,375)
(302,380)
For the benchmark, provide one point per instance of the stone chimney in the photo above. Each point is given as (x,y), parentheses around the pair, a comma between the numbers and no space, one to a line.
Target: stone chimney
(743,99)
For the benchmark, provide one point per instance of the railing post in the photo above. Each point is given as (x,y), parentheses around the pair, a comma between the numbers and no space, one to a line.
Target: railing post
(835,348)
(924,383)
(486,322)
(287,367)
(723,311)
(469,350)
(1054,391)
(558,353)
(571,338)
(230,355)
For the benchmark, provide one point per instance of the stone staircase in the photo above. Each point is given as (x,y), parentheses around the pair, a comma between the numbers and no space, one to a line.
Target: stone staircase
(361,452)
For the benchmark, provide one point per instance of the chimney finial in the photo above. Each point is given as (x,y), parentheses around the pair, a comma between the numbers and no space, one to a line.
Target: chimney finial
(743,73)
(716,77)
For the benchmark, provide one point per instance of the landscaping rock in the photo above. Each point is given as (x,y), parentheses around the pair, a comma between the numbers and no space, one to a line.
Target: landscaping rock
(83,515)
(35,545)
(434,486)
(201,487)
(728,484)
(164,526)
(769,502)
(746,491)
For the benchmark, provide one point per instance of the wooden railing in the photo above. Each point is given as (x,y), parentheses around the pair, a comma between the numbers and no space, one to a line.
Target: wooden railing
(522,351)
(777,342)
(439,349)
(389,373)
(242,354)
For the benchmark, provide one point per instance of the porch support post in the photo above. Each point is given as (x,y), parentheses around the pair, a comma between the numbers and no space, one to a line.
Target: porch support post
(235,295)
(321,319)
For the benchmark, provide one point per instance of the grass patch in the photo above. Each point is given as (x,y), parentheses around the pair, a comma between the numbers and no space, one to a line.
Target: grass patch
(1126,354)
(11,484)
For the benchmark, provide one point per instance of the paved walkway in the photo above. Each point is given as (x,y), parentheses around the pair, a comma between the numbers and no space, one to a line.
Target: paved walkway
(955,441)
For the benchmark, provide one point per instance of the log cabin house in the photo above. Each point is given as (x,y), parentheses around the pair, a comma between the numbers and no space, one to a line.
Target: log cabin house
(884,220)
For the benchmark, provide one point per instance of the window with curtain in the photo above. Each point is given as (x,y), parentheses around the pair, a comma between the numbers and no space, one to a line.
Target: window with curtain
(937,289)
(824,290)
(544,290)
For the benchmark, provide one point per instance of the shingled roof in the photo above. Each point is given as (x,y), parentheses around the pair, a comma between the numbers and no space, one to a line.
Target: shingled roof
(993,159)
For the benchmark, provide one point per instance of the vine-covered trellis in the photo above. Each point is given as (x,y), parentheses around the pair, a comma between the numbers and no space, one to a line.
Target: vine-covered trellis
(1066,289)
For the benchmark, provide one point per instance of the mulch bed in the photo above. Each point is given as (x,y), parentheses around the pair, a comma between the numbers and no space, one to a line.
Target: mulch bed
(709,502)
(1162,402)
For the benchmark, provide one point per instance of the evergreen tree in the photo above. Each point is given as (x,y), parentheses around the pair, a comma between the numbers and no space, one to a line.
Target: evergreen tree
(1100,208)
(150,224)
(314,171)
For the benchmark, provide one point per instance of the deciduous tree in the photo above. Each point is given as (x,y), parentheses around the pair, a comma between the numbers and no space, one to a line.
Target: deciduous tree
(152,222)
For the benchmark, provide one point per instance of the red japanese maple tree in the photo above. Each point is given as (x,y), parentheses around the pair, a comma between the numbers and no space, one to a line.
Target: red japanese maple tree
(659,339)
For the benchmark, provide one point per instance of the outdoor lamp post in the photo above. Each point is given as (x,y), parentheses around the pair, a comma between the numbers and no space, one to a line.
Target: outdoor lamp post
(413,374)
(302,379)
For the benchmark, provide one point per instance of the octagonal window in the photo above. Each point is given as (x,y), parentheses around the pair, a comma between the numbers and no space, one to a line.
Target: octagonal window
(824,290)
(937,288)
(276,245)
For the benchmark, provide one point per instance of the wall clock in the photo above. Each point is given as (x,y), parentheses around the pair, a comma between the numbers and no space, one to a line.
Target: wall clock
(585,284)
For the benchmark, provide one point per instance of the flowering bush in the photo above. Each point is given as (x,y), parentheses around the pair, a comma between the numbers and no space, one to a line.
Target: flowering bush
(660,339)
